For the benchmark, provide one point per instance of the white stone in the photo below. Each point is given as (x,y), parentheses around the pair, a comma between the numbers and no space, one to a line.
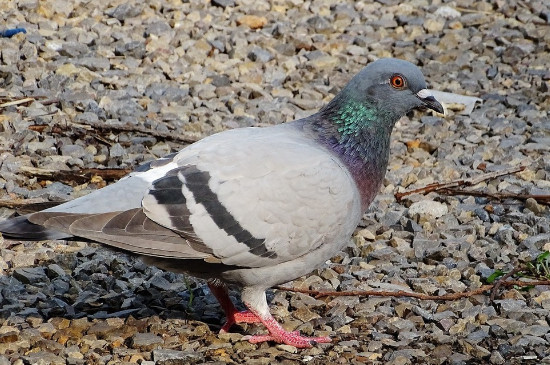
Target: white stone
(428,207)
(447,12)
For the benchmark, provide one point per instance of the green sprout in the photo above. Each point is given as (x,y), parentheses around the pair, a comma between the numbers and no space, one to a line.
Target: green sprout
(538,269)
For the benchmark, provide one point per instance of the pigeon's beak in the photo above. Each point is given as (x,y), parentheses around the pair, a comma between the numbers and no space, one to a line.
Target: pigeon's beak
(429,101)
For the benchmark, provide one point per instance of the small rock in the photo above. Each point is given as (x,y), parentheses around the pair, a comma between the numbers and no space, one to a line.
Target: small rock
(528,340)
(73,150)
(124,11)
(159,282)
(102,329)
(366,234)
(30,275)
(116,150)
(482,214)
(447,12)
(391,217)
(511,305)
(305,314)
(434,25)
(44,358)
(252,21)
(536,330)
(169,357)
(54,271)
(320,24)
(425,248)
(534,206)
(492,72)
(93,63)
(428,208)
(146,341)
(496,358)
(221,80)
(223,3)
(288,348)
(260,54)
(324,62)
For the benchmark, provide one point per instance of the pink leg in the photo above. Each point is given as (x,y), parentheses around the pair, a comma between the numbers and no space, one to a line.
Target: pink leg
(255,300)
(232,315)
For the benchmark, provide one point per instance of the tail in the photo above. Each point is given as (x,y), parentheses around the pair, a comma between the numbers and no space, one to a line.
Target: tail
(21,229)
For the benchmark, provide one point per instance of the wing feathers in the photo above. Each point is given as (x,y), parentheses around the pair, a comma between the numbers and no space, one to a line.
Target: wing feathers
(21,228)
(129,230)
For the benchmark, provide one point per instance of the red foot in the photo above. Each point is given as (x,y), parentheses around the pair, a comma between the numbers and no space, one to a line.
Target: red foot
(280,335)
(259,313)
(289,338)
(232,315)
(239,317)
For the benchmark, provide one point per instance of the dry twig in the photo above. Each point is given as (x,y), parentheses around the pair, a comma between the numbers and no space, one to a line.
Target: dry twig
(401,293)
(15,203)
(453,188)
(16,102)
(10,101)
(79,177)
(168,136)
(460,182)
(542,199)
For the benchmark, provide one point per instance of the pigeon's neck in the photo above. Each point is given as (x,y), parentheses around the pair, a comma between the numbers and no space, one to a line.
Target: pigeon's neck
(359,134)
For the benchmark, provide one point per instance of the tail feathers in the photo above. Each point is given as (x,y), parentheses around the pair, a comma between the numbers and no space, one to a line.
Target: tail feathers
(20,228)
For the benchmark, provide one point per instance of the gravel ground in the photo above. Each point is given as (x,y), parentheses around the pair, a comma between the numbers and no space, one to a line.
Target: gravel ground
(110,84)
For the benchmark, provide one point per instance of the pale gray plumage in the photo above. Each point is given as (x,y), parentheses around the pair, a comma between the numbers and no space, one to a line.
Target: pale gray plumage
(255,207)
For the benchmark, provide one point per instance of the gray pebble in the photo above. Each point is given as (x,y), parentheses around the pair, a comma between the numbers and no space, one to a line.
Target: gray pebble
(123,11)
(167,357)
(116,150)
(146,341)
(30,275)
(73,150)
(259,54)
(223,3)
(93,63)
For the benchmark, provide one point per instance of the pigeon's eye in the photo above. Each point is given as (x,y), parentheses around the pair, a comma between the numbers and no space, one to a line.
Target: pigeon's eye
(397,81)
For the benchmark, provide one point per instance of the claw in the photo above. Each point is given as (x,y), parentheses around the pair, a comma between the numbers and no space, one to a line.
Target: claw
(278,334)
(239,317)
(289,338)
(259,313)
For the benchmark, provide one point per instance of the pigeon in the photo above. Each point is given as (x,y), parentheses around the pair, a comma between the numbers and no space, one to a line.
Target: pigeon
(251,207)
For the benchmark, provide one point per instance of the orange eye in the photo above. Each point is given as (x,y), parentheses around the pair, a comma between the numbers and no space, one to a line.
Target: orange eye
(397,81)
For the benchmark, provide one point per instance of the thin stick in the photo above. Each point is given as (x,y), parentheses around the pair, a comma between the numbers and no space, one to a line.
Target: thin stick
(466,10)
(16,102)
(18,203)
(169,136)
(401,293)
(375,293)
(543,199)
(41,115)
(459,182)
(79,176)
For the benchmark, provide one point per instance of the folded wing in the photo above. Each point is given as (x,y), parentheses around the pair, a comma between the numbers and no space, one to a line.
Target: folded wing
(245,198)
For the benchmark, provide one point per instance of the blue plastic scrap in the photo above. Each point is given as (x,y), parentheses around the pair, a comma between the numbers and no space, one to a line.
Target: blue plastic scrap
(11,32)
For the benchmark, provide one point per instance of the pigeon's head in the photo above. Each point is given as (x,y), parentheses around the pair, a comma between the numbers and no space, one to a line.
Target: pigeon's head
(394,86)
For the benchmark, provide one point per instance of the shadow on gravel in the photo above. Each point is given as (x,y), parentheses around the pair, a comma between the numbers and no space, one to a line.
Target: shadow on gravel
(97,283)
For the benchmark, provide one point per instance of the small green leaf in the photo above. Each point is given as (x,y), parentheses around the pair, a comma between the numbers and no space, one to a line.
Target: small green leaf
(543,257)
(497,274)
